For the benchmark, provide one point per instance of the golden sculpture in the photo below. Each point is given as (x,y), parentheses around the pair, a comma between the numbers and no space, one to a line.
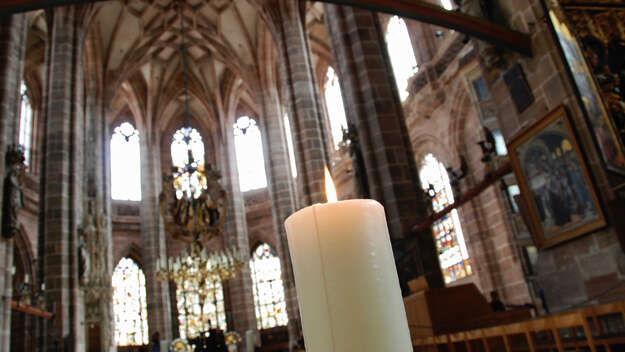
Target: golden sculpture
(193,203)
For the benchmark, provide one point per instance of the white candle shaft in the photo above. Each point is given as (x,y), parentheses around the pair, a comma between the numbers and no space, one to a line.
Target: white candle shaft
(346,280)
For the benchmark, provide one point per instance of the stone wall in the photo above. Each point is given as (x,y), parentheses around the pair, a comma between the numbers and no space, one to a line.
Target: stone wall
(445,118)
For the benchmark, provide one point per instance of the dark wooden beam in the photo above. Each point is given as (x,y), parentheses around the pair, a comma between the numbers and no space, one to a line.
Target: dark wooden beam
(30,310)
(428,13)
(475,191)
(413,9)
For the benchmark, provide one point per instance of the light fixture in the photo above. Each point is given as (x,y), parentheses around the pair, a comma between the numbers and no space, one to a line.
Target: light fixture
(193,207)
(192,203)
(196,271)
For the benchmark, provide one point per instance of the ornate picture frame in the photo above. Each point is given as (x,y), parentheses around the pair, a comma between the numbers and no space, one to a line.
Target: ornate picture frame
(556,188)
(600,121)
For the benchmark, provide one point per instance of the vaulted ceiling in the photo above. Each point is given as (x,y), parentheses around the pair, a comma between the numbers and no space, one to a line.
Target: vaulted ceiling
(133,54)
(139,45)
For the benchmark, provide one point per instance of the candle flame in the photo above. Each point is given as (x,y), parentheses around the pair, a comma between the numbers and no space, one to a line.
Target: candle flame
(330,189)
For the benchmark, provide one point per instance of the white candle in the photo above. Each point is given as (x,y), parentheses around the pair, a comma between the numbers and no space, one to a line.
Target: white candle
(346,280)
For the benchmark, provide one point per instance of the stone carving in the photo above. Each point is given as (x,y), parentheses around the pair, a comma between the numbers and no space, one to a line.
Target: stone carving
(351,144)
(95,276)
(83,260)
(12,197)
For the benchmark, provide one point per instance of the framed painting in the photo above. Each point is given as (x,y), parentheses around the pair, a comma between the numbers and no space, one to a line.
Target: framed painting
(603,122)
(556,188)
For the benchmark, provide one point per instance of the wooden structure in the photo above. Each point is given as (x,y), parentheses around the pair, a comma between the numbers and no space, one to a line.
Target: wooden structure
(27,325)
(416,10)
(30,310)
(430,313)
(597,328)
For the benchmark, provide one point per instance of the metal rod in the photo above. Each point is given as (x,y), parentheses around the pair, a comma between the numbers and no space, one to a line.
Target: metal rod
(185,78)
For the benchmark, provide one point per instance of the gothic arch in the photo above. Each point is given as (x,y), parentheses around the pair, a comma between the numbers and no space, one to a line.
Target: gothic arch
(461,113)
(167,133)
(132,251)
(430,144)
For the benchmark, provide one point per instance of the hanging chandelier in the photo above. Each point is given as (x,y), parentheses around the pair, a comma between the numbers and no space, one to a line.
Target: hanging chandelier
(193,202)
(193,208)
(197,272)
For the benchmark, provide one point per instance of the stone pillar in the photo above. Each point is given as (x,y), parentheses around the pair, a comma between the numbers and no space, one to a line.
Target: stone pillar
(303,102)
(153,235)
(372,103)
(12,48)
(240,289)
(97,223)
(62,176)
(280,185)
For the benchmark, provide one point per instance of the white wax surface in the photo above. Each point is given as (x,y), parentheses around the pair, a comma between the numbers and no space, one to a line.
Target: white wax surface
(346,280)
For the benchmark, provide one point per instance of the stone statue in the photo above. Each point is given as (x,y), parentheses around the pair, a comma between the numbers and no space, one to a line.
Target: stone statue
(84,262)
(351,143)
(12,198)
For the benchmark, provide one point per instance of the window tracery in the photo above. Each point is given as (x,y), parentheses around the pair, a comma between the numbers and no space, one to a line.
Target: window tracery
(180,158)
(125,163)
(249,152)
(401,54)
(192,317)
(130,304)
(448,237)
(268,288)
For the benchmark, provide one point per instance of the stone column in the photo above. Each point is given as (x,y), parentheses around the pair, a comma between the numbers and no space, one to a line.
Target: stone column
(303,101)
(62,176)
(97,222)
(153,235)
(12,48)
(280,185)
(240,289)
(372,103)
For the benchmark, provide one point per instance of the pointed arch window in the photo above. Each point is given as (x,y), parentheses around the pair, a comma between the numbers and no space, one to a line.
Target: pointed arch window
(334,104)
(448,237)
(192,317)
(130,304)
(248,146)
(180,157)
(289,144)
(125,163)
(401,54)
(26,124)
(268,288)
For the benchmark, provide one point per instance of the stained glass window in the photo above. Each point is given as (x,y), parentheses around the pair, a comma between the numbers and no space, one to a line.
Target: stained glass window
(125,163)
(192,317)
(129,304)
(249,150)
(268,289)
(452,249)
(401,53)
(289,144)
(336,109)
(26,124)
(180,157)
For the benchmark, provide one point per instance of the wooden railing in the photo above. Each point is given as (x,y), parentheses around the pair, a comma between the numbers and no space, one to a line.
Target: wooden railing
(597,328)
